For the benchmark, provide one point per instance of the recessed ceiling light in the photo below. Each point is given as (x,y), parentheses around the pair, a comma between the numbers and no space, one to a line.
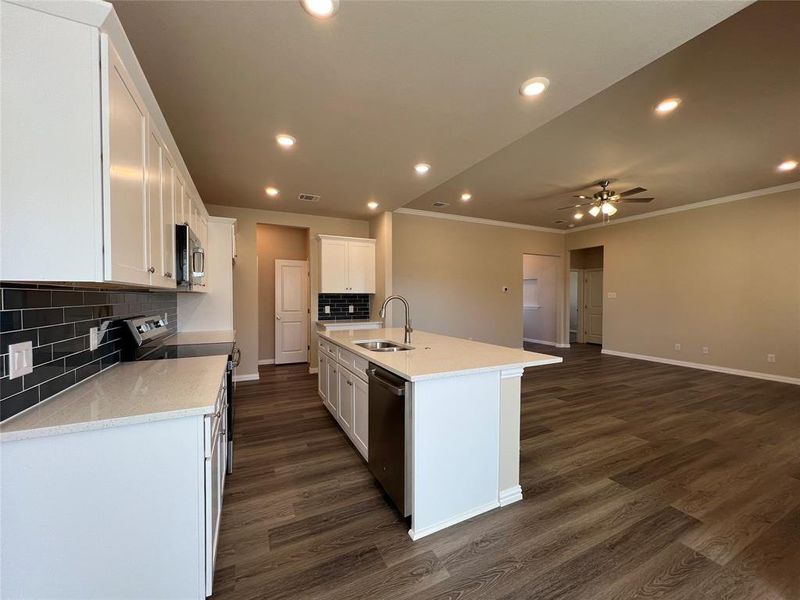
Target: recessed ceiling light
(787,165)
(372,205)
(534,86)
(578,216)
(571,225)
(322,9)
(272,192)
(422,168)
(285,140)
(667,106)
(466,197)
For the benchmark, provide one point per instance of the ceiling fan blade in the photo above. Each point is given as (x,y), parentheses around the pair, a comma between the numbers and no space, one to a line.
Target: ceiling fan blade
(582,197)
(574,206)
(629,200)
(632,191)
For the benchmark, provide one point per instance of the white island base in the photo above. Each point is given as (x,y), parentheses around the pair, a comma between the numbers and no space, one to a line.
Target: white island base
(462,422)
(464,448)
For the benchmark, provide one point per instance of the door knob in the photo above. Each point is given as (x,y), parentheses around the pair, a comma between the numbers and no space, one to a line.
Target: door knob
(278,317)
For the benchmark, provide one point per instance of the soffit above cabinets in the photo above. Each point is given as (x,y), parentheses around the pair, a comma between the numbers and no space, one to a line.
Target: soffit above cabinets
(380,87)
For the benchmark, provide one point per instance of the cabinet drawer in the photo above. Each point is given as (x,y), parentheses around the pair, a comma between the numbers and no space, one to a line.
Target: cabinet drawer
(354,363)
(327,347)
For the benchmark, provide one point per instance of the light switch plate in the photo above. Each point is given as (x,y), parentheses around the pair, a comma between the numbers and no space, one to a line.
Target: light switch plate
(327,310)
(612,295)
(20,359)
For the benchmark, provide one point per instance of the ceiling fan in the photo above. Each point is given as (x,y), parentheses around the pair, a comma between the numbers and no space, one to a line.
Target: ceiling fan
(604,200)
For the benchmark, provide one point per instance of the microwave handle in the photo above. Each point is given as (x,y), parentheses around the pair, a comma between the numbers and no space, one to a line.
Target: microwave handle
(198,262)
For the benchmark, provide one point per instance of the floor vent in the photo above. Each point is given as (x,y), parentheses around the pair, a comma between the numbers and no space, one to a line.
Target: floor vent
(308,197)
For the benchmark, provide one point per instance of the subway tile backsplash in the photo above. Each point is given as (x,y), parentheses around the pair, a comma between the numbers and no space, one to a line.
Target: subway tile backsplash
(340,307)
(57,322)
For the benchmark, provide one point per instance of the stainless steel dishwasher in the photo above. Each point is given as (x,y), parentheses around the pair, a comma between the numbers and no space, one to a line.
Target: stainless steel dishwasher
(387,433)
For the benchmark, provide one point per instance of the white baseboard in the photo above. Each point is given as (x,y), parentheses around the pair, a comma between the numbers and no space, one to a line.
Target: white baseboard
(416,534)
(545,342)
(313,370)
(510,495)
(246,377)
(266,361)
(704,367)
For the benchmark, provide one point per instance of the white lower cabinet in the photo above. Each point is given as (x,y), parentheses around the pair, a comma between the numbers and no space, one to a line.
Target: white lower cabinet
(343,389)
(125,511)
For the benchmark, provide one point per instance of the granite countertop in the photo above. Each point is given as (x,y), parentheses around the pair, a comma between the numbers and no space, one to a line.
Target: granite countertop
(435,356)
(201,337)
(128,393)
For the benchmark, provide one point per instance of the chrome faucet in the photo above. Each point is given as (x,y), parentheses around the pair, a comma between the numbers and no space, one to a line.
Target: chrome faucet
(382,315)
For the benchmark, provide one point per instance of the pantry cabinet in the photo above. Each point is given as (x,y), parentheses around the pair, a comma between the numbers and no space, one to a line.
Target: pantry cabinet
(347,265)
(98,201)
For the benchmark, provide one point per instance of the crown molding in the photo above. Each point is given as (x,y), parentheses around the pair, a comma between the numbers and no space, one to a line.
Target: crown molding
(476,220)
(703,204)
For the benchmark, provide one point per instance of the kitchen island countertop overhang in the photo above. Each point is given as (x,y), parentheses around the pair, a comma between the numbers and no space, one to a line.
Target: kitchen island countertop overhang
(433,356)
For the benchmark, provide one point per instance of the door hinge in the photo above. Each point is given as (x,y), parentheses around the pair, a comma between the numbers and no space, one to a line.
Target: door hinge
(308,347)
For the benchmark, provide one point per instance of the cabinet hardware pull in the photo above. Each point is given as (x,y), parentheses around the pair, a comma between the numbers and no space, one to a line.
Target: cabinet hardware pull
(168,275)
(152,270)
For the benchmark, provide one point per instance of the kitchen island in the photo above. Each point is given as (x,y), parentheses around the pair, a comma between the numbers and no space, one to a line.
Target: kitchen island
(462,417)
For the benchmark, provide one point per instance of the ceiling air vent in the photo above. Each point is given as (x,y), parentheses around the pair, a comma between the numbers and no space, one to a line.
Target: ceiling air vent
(441,204)
(559,222)
(308,197)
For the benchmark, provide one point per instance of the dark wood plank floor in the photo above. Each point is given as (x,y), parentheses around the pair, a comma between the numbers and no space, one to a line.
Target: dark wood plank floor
(640,481)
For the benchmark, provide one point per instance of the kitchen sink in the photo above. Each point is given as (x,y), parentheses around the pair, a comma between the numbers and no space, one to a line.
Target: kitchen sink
(383,346)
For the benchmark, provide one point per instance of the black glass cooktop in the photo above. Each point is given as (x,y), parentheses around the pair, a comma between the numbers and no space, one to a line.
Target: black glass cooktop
(189,351)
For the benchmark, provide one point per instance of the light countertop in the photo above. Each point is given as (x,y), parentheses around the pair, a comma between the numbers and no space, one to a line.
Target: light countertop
(201,337)
(436,356)
(128,393)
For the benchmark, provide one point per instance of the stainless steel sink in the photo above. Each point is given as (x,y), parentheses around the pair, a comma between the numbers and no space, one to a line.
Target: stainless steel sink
(383,346)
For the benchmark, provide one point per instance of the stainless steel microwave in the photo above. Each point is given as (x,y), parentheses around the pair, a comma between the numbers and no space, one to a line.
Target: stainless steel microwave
(190,259)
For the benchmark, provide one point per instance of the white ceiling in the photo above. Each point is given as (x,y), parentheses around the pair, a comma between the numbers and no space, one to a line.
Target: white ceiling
(381,86)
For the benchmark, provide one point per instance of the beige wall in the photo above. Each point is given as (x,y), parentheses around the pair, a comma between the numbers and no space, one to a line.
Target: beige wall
(586,258)
(274,242)
(245,272)
(452,272)
(542,323)
(380,228)
(724,276)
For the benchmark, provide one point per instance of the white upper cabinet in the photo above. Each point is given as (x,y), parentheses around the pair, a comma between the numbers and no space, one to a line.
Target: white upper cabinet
(347,265)
(126,233)
(92,182)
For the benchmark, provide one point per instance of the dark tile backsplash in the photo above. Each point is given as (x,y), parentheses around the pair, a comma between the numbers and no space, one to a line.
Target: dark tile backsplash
(57,321)
(340,307)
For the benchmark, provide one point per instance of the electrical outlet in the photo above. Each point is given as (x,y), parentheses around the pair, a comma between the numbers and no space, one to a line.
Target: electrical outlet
(166,318)
(612,295)
(770,358)
(350,309)
(20,359)
(327,310)
(677,347)
(705,349)
(93,338)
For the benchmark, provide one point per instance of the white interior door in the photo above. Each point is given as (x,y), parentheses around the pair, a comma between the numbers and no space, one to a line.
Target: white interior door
(291,311)
(593,306)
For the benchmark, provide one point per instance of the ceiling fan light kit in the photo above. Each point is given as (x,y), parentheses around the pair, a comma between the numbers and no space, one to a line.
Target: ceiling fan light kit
(604,202)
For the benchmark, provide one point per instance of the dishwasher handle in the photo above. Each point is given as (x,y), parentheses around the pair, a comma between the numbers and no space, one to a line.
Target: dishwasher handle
(390,386)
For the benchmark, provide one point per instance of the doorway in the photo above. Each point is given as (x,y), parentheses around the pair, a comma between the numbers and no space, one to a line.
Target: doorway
(273,243)
(586,296)
(540,280)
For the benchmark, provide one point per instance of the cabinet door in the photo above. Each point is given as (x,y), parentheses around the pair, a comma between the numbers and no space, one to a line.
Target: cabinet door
(126,258)
(361,267)
(322,376)
(333,267)
(180,200)
(155,232)
(361,416)
(168,218)
(346,399)
(332,399)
